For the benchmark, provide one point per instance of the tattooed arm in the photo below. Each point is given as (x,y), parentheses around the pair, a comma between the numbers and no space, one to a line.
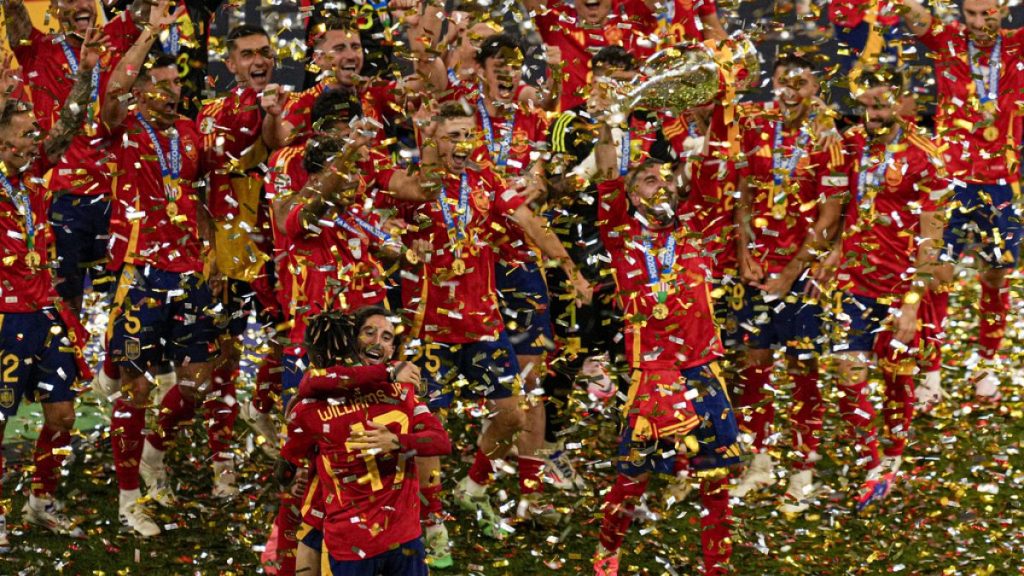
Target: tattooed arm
(72,114)
(19,25)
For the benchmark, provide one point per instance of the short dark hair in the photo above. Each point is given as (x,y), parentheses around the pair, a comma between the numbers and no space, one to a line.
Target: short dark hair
(161,60)
(792,60)
(244,31)
(882,75)
(319,151)
(332,338)
(494,45)
(13,107)
(340,21)
(455,109)
(615,56)
(333,106)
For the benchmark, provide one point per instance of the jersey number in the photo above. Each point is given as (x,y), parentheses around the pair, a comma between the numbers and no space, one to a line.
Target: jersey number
(9,363)
(390,417)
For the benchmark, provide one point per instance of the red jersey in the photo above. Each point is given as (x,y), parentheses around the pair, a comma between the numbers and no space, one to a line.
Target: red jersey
(850,13)
(50,72)
(669,322)
(971,156)
(287,176)
(630,25)
(472,220)
(25,287)
(232,146)
(683,18)
(372,501)
(789,176)
(884,213)
(145,230)
(378,102)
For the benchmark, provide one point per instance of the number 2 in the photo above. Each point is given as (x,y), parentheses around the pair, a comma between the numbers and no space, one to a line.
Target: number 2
(10,365)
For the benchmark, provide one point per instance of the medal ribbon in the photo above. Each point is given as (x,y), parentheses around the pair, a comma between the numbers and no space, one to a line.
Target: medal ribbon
(787,165)
(869,177)
(172,45)
(370,228)
(22,202)
(94,94)
(668,259)
(499,151)
(170,168)
(986,91)
(624,158)
(460,229)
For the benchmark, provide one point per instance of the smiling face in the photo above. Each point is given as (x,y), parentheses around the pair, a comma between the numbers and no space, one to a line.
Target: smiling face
(158,94)
(251,60)
(593,12)
(795,88)
(502,74)
(456,141)
(76,16)
(983,18)
(879,105)
(341,51)
(376,340)
(654,194)
(19,139)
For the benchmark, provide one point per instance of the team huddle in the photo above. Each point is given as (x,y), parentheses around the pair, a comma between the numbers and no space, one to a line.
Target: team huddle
(459,232)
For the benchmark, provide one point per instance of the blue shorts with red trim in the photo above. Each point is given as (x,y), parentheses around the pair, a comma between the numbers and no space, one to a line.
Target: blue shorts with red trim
(475,370)
(791,322)
(525,308)
(36,360)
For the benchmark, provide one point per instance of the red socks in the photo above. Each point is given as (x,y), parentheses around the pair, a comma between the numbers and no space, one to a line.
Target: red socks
(758,407)
(618,509)
(716,525)
(432,507)
(174,409)
(126,437)
(529,475)
(289,518)
(858,412)
(50,448)
(898,411)
(992,308)
(221,411)
(933,320)
(808,414)
(481,470)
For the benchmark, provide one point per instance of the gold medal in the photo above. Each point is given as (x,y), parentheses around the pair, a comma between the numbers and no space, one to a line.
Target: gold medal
(32,259)
(779,210)
(991,133)
(661,311)
(412,257)
(172,209)
(458,267)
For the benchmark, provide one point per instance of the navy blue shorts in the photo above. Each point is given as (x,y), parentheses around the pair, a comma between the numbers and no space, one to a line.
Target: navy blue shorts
(81,230)
(863,318)
(313,538)
(716,437)
(854,39)
(36,360)
(476,370)
(789,322)
(525,308)
(409,559)
(974,221)
(293,367)
(161,316)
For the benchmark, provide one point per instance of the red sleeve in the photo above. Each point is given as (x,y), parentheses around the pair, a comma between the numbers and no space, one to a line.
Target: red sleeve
(122,32)
(26,52)
(292,225)
(933,187)
(297,111)
(705,8)
(831,170)
(302,433)
(506,200)
(612,212)
(427,436)
(339,378)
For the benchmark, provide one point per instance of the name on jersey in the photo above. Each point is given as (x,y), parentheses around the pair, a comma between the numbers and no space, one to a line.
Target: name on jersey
(358,402)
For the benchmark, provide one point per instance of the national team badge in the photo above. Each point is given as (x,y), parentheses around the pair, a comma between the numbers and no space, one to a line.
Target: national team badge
(6,397)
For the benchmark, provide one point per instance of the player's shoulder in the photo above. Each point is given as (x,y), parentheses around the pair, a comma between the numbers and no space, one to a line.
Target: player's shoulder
(920,140)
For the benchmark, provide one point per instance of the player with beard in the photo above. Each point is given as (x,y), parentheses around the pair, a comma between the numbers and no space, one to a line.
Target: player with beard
(373,428)
(980,77)
(887,260)
(791,192)
(457,323)
(162,303)
(689,21)
(677,406)
(80,182)
(579,32)
(37,333)
(232,142)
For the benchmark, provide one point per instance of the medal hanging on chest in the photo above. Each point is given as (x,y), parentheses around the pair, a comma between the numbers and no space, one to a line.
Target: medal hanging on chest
(23,204)
(657,276)
(987,92)
(457,230)
(870,178)
(170,167)
(784,168)
(499,150)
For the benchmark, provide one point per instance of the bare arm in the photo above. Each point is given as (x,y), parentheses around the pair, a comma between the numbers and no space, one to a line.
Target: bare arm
(606,155)
(428,47)
(72,115)
(925,264)
(19,25)
(551,247)
(917,17)
(272,100)
(713,29)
